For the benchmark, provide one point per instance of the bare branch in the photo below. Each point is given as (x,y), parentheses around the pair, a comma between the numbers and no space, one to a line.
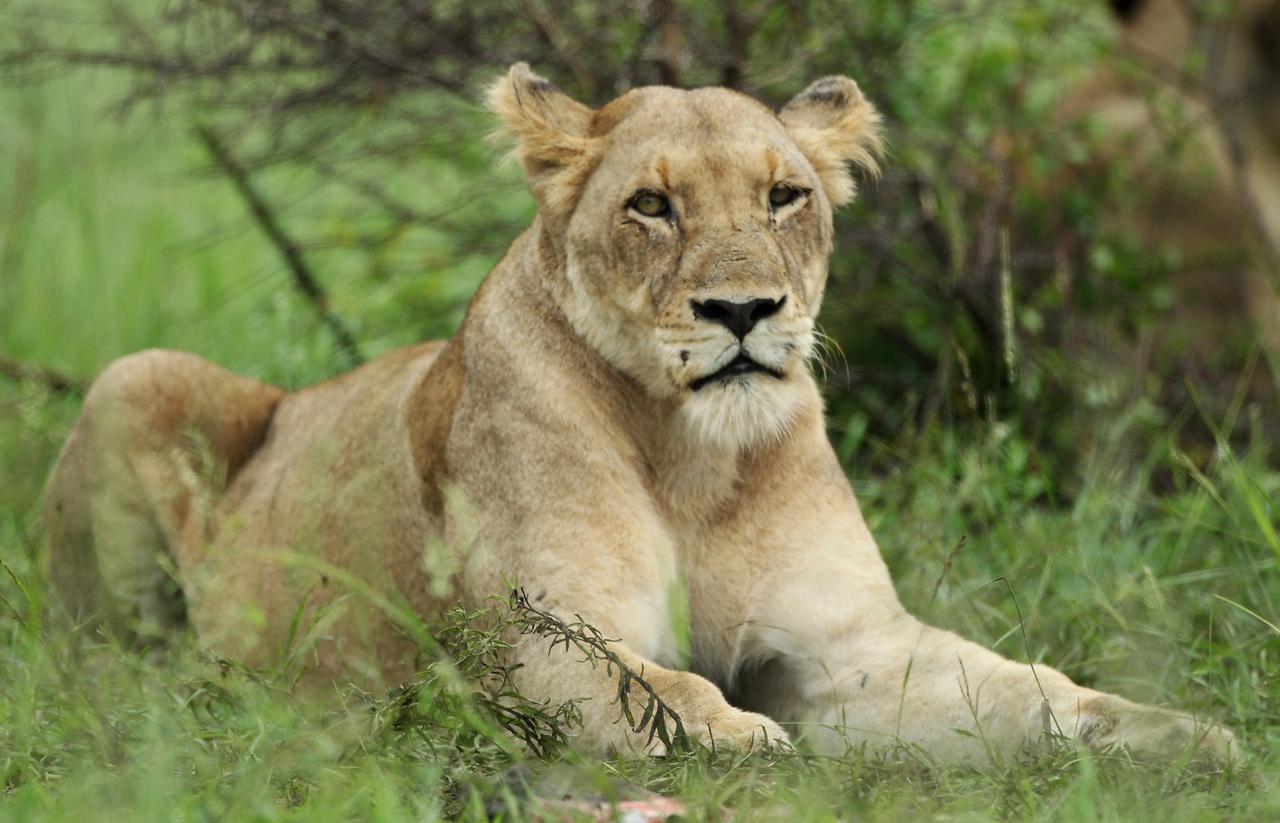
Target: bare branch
(1268,245)
(54,381)
(671,48)
(303,278)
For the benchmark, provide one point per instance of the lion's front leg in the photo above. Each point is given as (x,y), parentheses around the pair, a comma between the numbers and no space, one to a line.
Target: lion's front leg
(820,642)
(844,664)
(600,656)
(903,683)
(597,567)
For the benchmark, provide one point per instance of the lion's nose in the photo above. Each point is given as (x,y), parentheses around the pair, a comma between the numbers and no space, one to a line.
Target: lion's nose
(739,318)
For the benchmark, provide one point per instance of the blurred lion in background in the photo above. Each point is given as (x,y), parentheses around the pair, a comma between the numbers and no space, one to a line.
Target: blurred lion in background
(1195,110)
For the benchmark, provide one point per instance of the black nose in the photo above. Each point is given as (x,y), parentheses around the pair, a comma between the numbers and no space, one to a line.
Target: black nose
(739,318)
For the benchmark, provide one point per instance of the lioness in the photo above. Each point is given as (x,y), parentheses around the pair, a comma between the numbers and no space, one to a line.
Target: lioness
(625,410)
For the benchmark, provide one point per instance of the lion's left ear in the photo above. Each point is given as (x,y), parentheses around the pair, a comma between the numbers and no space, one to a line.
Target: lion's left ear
(835,126)
(550,130)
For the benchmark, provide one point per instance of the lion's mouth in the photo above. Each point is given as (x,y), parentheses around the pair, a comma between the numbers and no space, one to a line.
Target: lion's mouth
(737,366)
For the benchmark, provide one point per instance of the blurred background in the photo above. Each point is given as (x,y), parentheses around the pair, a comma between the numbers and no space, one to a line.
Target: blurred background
(1079,219)
(1053,320)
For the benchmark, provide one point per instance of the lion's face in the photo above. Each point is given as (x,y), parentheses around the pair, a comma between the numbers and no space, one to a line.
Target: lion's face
(695,232)
(699,248)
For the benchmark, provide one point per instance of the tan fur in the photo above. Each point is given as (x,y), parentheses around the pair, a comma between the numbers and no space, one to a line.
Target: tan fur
(556,441)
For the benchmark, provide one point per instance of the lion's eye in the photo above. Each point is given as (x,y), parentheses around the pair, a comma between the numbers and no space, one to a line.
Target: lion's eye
(784,195)
(651,204)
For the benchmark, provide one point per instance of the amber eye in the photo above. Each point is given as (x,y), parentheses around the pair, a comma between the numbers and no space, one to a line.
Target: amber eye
(784,195)
(651,204)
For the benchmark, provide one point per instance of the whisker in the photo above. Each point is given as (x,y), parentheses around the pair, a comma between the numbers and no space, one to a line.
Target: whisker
(831,346)
(818,354)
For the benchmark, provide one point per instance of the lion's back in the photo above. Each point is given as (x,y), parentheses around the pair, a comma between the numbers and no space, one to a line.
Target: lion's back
(330,504)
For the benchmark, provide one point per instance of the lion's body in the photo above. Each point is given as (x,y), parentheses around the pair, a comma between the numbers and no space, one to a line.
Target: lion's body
(625,413)
(335,480)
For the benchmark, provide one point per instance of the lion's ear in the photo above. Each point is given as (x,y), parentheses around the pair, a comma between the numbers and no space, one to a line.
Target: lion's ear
(550,131)
(835,126)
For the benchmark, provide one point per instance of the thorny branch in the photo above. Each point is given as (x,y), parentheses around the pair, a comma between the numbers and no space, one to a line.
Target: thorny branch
(655,715)
(443,694)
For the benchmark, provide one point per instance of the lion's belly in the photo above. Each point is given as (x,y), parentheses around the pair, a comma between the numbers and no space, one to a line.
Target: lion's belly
(318,544)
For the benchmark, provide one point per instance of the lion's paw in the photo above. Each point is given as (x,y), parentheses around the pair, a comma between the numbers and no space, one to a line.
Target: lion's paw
(1152,732)
(742,731)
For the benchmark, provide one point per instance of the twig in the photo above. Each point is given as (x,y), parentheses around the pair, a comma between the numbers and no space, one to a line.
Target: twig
(16,614)
(671,47)
(303,278)
(563,43)
(946,567)
(740,27)
(594,647)
(1026,647)
(54,381)
(1267,244)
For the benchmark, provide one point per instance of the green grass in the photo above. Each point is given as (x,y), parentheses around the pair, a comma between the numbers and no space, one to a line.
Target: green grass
(1158,579)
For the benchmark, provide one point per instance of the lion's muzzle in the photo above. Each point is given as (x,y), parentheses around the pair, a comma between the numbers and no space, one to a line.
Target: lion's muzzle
(742,364)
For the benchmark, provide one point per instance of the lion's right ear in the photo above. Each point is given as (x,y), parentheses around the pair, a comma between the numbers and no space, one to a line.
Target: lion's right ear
(835,127)
(550,131)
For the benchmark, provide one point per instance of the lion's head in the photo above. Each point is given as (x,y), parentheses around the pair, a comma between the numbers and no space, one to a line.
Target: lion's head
(693,229)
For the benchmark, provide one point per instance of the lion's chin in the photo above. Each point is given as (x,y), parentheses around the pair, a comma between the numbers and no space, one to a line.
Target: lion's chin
(741,412)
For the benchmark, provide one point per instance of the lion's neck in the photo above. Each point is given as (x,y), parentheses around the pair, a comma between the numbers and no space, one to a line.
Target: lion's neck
(693,480)
(689,477)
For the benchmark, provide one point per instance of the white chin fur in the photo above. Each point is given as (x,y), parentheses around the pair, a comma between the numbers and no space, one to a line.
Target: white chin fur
(742,412)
